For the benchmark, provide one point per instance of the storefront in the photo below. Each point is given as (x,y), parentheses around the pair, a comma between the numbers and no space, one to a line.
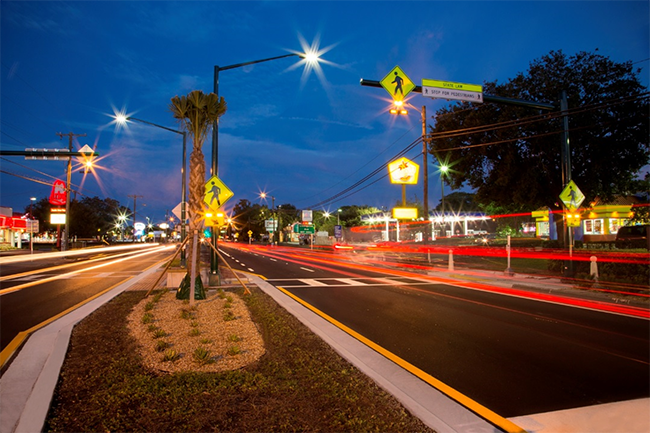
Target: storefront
(599,221)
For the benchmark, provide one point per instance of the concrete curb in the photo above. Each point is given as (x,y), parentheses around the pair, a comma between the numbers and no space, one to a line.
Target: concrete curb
(434,408)
(27,387)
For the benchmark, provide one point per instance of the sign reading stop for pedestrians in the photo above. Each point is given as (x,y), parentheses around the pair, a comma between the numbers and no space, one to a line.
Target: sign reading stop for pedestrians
(397,84)
(216,193)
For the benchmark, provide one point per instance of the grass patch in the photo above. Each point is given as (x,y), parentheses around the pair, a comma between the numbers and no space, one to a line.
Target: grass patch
(300,384)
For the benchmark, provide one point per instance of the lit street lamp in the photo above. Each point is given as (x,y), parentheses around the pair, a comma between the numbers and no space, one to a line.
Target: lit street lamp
(443,171)
(310,57)
(121,119)
(276,223)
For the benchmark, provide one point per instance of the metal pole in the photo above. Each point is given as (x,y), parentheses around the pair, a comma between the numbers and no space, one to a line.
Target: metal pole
(566,175)
(214,258)
(443,231)
(426,174)
(64,244)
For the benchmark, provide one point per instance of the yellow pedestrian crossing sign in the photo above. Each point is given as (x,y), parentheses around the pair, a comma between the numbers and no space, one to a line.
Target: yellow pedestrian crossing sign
(216,193)
(571,196)
(397,84)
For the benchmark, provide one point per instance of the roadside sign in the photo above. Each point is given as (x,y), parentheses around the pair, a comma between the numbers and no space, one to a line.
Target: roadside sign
(58,194)
(571,196)
(250,232)
(307,216)
(403,171)
(304,229)
(215,219)
(216,193)
(177,210)
(452,90)
(270,225)
(338,231)
(405,213)
(397,84)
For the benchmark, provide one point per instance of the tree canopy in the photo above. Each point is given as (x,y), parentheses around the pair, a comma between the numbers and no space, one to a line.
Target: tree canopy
(511,155)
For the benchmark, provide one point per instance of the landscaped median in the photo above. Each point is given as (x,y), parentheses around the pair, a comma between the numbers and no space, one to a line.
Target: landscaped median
(295,382)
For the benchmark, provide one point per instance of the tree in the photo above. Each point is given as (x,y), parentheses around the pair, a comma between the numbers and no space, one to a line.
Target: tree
(512,158)
(249,216)
(196,112)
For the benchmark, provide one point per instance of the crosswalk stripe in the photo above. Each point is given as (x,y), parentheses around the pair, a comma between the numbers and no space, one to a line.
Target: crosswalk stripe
(351,282)
(311,282)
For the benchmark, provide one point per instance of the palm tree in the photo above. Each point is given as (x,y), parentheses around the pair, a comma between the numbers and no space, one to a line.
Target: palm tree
(196,112)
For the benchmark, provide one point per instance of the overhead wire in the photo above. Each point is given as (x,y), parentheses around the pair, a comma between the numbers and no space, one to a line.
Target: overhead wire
(347,192)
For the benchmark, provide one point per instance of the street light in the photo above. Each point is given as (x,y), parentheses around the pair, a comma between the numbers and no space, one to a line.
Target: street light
(443,171)
(276,222)
(310,57)
(122,119)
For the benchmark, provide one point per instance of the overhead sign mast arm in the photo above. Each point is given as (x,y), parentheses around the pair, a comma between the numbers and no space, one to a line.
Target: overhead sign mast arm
(486,98)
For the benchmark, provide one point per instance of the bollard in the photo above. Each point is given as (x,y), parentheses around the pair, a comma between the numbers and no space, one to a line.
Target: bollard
(593,268)
(451,260)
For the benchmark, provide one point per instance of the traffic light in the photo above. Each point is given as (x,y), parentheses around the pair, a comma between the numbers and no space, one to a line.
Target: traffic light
(207,233)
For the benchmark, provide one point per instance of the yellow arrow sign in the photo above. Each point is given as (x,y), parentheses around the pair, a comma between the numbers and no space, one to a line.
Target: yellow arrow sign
(216,193)
(397,84)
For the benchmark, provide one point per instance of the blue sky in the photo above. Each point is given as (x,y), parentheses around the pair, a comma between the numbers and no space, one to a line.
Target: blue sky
(67,66)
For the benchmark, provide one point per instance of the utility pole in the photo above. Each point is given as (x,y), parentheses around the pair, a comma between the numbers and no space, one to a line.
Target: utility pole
(135,198)
(66,233)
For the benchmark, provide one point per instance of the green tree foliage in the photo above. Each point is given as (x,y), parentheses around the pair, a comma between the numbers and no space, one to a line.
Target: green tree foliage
(515,161)
(459,201)
(89,217)
(248,216)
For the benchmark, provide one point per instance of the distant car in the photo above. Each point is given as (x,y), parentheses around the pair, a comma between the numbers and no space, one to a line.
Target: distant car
(485,239)
(632,237)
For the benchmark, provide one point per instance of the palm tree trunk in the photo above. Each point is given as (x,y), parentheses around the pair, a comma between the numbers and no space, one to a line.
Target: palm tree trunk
(197,189)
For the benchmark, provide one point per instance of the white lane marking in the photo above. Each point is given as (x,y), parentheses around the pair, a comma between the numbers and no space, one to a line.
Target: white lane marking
(311,282)
(307,269)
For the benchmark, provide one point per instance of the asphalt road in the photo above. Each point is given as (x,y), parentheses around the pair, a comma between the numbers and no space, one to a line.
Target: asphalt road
(33,291)
(514,355)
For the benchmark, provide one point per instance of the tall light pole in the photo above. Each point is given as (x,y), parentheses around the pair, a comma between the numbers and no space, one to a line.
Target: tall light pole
(310,57)
(443,171)
(122,120)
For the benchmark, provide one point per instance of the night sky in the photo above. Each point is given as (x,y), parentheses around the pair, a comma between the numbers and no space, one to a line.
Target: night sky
(299,135)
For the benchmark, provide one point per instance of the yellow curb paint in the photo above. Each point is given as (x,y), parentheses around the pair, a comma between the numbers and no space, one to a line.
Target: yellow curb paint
(472,405)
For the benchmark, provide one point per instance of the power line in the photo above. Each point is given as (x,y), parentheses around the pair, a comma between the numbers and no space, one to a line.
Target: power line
(347,192)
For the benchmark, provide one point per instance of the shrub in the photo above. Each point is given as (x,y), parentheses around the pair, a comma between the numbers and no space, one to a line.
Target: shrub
(202,356)
(147,318)
(161,345)
(228,316)
(159,333)
(171,355)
